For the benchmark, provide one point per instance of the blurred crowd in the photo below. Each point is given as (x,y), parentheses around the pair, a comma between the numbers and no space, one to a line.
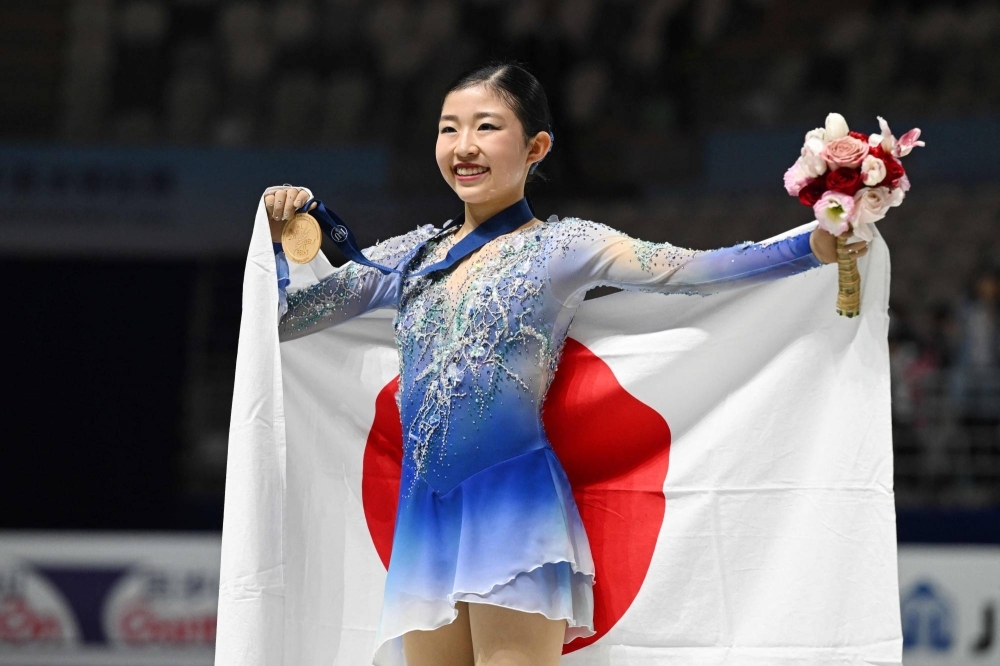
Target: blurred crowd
(946,395)
(622,75)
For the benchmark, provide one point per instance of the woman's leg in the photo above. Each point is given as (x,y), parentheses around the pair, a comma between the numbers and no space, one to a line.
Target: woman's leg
(507,637)
(450,645)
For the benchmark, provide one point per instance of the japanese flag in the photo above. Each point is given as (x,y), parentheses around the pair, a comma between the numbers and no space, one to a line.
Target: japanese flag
(731,457)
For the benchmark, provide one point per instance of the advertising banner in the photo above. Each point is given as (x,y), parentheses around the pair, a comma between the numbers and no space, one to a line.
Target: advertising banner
(167,201)
(85,600)
(151,600)
(949,599)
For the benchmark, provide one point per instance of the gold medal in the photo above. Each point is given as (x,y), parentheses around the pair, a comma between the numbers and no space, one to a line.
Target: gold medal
(301,238)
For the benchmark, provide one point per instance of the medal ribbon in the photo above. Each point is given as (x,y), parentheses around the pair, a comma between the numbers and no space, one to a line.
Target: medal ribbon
(505,221)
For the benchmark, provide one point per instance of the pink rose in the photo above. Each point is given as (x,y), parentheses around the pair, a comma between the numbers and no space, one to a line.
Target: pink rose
(870,206)
(833,212)
(846,151)
(795,179)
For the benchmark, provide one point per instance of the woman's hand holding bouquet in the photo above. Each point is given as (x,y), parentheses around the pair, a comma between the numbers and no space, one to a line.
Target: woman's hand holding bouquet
(850,181)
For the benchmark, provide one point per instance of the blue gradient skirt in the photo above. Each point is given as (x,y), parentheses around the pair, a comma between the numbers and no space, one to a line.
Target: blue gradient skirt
(508,535)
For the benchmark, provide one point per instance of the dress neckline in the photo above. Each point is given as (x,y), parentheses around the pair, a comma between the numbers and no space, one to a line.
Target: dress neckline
(519,230)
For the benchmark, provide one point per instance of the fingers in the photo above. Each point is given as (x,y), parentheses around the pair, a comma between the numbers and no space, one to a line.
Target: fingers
(277,204)
(858,249)
(282,208)
(281,198)
(296,201)
(281,203)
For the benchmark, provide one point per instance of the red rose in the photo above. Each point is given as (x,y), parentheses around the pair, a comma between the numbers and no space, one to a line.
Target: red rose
(847,181)
(893,171)
(878,152)
(859,136)
(811,193)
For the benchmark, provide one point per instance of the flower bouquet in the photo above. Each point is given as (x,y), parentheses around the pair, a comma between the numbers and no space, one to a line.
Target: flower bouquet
(850,181)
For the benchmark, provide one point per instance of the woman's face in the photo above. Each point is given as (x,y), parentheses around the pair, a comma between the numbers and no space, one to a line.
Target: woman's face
(477,128)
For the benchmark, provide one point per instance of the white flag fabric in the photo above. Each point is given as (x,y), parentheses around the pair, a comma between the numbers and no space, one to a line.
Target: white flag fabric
(731,457)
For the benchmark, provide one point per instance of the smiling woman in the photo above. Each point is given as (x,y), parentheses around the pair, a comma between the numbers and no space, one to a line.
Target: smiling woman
(479,340)
(495,128)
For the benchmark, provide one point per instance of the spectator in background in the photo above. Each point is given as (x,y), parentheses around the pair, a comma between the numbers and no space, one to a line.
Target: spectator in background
(942,344)
(974,384)
(919,364)
(904,353)
(913,367)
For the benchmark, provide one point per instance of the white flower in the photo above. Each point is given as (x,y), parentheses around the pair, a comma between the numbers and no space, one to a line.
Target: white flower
(872,170)
(818,133)
(896,196)
(836,127)
(870,206)
(811,162)
(834,211)
(888,140)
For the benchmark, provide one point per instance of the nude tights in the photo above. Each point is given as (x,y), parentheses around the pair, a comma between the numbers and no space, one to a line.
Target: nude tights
(488,635)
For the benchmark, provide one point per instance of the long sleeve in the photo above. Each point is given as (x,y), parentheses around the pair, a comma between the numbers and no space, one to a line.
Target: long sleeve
(280,261)
(587,254)
(351,290)
(281,267)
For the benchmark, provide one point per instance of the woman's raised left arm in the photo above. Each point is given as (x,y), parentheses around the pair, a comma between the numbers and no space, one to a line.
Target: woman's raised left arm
(588,254)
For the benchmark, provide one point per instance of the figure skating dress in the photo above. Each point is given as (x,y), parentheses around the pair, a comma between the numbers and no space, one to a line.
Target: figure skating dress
(478,347)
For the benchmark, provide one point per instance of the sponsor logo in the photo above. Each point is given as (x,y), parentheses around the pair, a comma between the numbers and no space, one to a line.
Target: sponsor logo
(107,606)
(928,618)
(339,233)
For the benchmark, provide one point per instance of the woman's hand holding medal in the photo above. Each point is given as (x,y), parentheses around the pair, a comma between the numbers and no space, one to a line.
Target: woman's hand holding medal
(281,206)
(298,233)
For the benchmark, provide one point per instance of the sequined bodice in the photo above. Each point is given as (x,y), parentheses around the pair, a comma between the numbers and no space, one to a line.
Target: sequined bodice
(479,338)
(479,343)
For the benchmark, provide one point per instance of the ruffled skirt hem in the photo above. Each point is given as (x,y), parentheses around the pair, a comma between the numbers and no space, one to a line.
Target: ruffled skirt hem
(554,589)
(510,535)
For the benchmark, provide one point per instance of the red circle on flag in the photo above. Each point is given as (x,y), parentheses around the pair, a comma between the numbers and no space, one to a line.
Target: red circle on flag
(615,450)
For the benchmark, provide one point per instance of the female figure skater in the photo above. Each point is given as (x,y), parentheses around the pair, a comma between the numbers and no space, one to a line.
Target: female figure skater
(490,564)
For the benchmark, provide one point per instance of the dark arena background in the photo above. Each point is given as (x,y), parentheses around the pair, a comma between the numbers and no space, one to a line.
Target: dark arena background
(136,137)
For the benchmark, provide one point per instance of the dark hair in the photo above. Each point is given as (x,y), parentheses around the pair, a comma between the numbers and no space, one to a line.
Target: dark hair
(519,90)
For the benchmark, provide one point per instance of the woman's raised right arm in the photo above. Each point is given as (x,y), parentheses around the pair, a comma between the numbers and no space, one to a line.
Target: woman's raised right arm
(351,290)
